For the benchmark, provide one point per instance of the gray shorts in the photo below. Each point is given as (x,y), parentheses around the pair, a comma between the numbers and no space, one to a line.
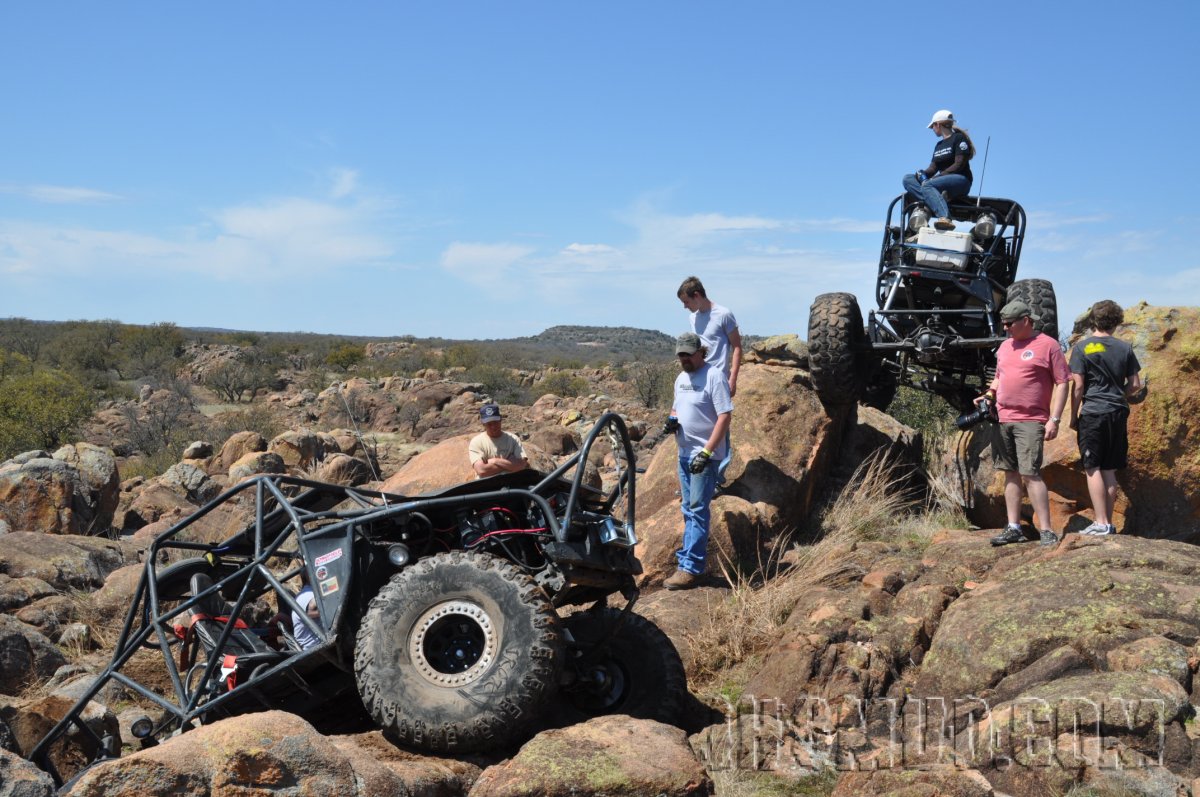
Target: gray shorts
(1018,446)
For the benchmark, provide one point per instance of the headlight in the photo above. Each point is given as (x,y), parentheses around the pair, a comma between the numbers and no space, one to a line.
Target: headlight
(141,727)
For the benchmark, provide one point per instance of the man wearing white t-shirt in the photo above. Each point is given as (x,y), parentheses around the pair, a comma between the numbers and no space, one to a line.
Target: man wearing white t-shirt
(700,420)
(718,329)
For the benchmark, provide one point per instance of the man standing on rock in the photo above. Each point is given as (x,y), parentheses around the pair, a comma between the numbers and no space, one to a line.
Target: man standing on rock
(1104,372)
(1030,393)
(718,329)
(703,409)
(494,450)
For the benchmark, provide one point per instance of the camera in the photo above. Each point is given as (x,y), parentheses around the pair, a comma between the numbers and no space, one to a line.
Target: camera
(986,411)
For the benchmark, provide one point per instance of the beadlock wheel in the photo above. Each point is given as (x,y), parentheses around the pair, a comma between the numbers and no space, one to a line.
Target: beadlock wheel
(453,643)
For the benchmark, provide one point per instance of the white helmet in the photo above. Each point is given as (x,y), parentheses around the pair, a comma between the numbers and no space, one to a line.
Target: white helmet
(941,116)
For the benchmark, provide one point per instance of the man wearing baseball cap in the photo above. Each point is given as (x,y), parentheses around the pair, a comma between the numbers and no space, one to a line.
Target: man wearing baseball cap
(1030,392)
(699,417)
(494,450)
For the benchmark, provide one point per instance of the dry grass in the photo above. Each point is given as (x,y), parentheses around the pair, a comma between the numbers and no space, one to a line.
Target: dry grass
(875,504)
(751,783)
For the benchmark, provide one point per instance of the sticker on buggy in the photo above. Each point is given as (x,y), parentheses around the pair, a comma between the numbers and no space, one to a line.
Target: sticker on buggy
(326,558)
(322,572)
(329,587)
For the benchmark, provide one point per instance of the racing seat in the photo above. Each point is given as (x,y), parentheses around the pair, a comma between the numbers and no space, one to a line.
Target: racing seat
(243,653)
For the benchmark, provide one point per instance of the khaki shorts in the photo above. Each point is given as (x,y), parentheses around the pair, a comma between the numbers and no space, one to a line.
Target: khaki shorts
(1018,446)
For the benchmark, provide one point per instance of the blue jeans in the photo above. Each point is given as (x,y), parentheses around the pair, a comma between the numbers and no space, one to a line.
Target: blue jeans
(724,466)
(930,191)
(695,492)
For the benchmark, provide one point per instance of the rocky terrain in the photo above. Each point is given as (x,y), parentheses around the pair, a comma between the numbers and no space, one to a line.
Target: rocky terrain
(855,642)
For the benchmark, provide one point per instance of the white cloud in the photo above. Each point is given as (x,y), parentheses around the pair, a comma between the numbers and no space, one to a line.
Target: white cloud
(588,249)
(344,182)
(284,237)
(58,194)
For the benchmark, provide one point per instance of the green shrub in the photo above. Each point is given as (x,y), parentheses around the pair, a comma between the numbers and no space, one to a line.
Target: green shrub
(41,410)
(346,355)
(499,383)
(653,383)
(925,412)
(561,383)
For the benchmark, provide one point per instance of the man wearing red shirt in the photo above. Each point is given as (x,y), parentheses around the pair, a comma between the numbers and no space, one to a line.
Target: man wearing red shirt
(1030,392)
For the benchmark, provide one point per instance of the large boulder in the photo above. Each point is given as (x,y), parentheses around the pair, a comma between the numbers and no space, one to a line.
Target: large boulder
(256,463)
(784,444)
(338,468)
(447,464)
(237,446)
(26,655)
(63,561)
(191,482)
(1093,597)
(1160,490)
(73,492)
(20,778)
(603,756)
(300,449)
(31,720)
(98,469)
(270,752)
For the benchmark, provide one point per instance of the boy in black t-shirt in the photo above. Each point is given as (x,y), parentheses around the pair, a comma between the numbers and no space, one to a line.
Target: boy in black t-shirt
(1104,372)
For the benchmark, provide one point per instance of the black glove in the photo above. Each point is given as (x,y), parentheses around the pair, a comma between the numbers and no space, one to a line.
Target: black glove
(671,426)
(1140,395)
(700,461)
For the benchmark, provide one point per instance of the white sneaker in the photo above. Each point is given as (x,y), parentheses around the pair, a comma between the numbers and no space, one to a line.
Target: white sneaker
(1098,530)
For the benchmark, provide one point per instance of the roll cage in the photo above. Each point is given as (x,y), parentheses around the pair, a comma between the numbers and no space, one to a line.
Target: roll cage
(575,541)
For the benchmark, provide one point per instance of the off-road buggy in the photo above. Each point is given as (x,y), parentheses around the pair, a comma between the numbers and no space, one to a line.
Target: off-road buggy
(938,295)
(446,615)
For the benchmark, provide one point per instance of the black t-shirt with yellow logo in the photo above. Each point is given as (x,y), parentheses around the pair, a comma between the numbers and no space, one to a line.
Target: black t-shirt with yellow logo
(1106,364)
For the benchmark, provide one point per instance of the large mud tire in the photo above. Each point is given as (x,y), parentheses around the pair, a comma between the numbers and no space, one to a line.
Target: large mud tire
(459,652)
(835,338)
(1043,306)
(638,673)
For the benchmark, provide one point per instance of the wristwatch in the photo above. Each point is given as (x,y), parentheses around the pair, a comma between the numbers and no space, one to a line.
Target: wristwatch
(1056,420)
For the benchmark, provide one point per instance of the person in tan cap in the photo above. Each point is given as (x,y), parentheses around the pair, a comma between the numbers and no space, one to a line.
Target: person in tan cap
(1030,393)
(494,450)
(702,408)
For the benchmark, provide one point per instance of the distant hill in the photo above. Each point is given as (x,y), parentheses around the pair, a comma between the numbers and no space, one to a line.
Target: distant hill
(614,338)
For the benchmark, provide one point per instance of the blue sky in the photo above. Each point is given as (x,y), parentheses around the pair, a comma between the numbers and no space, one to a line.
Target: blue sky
(487,170)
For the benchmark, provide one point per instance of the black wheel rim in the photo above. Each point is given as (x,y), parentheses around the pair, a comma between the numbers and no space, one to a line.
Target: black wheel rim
(453,644)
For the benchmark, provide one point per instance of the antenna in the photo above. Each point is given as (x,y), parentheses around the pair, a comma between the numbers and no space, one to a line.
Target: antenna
(982,174)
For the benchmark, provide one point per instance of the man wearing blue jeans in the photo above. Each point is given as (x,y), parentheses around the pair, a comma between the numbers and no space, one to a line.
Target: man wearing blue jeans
(718,331)
(702,408)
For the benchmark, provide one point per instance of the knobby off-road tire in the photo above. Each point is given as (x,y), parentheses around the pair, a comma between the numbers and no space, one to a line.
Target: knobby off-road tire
(835,335)
(639,674)
(458,652)
(1039,295)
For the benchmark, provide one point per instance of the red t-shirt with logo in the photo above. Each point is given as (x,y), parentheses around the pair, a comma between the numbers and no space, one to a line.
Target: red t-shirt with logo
(1027,371)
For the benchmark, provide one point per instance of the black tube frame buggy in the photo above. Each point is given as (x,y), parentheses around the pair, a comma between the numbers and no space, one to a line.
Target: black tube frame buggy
(544,541)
